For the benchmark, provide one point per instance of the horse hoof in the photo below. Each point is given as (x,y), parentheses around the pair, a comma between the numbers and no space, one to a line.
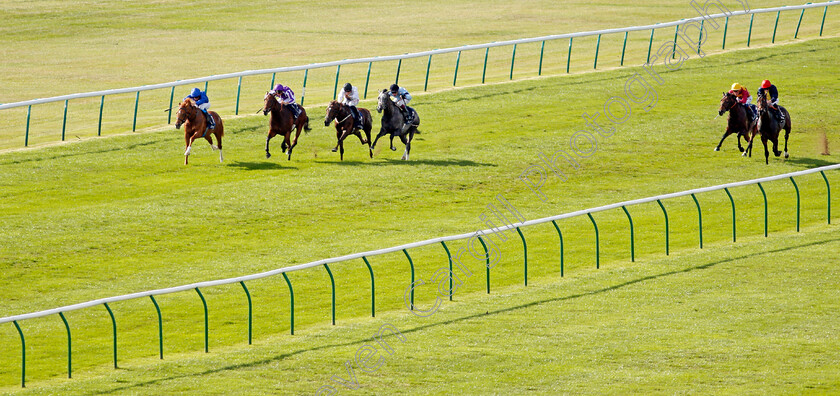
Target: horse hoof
(334,150)
(393,148)
(786,155)
(718,149)
(267,155)
(741,149)
(744,154)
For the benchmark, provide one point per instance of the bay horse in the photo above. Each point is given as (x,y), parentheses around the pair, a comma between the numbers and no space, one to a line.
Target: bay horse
(738,122)
(343,117)
(195,127)
(393,122)
(282,122)
(769,128)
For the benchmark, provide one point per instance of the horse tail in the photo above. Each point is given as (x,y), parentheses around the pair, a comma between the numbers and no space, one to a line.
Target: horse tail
(306,127)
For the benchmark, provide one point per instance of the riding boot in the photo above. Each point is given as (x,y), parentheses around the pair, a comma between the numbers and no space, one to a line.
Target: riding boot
(296,111)
(210,121)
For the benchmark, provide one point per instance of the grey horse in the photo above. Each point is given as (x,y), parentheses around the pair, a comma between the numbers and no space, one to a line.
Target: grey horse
(393,123)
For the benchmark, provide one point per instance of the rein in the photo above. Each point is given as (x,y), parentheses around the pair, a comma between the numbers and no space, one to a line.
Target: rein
(349,113)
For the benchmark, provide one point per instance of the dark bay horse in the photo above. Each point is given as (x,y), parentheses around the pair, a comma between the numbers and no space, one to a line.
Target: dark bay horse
(343,118)
(739,121)
(393,122)
(195,126)
(282,123)
(769,128)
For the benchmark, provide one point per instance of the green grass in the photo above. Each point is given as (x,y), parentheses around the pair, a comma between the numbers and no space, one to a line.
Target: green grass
(110,216)
(117,45)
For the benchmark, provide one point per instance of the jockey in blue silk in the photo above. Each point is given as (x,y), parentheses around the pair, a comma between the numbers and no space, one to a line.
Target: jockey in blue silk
(286,96)
(401,97)
(770,90)
(203,104)
(350,97)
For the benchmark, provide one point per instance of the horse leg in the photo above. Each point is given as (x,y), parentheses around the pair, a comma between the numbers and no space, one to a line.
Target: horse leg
(287,141)
(190,140)
(787,133)
(407,147)
(725,134)
(776,151)
(294,143)
(359,135)
(270,135)
(341,147)
(392,142)
(219,140)
(766,152)
(338,133)
(367,134)
(381,134)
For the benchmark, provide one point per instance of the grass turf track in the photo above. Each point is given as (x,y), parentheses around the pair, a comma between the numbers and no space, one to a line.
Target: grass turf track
(73,227)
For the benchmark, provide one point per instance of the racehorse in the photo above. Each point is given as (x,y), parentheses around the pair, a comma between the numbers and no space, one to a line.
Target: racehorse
(282,122)
(195,126)
(344,125)
(769,128)
(738,122)
(393,122)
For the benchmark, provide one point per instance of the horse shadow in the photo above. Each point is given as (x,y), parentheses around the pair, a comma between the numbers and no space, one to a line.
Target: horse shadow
(810,162)
(391,161)
(247,165)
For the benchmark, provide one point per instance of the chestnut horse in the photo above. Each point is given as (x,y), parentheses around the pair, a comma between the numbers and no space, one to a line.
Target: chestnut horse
(195,126)
(282,122)
(344,125)
(739,122)
(769,128)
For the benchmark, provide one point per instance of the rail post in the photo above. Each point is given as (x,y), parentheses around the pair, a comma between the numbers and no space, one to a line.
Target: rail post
(650,45)
(822,25)
(457,62)
(270,87)
(411,263)
(332,284)
(632,236)
(160,325)
(676,32)
(206,322)
(28,115)
(484,69)
(512,59)
(335,88)
(291,304)
(796,35)
(569,57)
(765,208)
(399,66)
(828,193)
(64,121)
(303,91)
(372,289)
(69,346)
(775,26)
(561,246)
(487,262)
(428,67)
(597,47)
(700,39)
(525,250)
(238,91)
(623,47)
(136,104)
(205,85)
(749,33)
(102,106)
(699,219)
(731,201)
(725,28)
(542,50)
(250,313)
(367,79)
(448,255)
(667,231)
(597,243)
(797,202)
(114,327)
(169,113)
(22,355)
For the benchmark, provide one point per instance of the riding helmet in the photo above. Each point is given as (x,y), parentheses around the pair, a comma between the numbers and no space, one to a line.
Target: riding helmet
(195,93)
(737,87)
(348,87)
(395,88)
(765,84)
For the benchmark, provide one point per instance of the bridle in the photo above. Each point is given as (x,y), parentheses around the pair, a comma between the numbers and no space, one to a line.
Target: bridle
(329,110)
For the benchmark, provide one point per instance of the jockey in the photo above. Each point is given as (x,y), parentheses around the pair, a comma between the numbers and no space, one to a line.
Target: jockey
(286,96)
(743,96)
(203,104)
(768,88)
(350,98)
(401,97)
